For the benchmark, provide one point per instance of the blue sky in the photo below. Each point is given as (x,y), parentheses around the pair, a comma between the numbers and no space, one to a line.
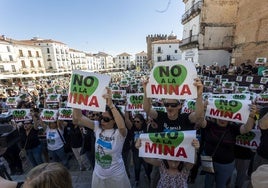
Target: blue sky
(111,26)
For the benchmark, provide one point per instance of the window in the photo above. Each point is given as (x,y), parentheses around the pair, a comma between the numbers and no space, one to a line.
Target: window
(168,57)
(21,53)
(32,64)
(39,63)
(13,68)
(29,53)
(11,58)
(159,58)
(23,65)
(158,49)
(37,54)
(8,48)
(48,51)
(176,51)
(2,68)
(169,46)
(48,58)
(1,58)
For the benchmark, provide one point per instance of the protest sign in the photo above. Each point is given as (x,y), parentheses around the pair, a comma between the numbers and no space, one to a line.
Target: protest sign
(87,89)
(262,98)
(228,109)
(249,140)
(188,106)
(135,102)
(49,115)
(52,98)
(238,96)
(118,94)
(65,114)
(12,101)
(175,146)
(21,114)
(172,80)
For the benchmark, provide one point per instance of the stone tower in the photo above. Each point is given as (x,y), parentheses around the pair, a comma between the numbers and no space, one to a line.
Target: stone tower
(149,40)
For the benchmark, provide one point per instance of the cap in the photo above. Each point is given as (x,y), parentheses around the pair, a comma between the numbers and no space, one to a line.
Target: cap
(259,178)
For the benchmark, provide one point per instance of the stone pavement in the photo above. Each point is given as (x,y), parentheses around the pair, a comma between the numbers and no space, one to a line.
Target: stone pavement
(82,179)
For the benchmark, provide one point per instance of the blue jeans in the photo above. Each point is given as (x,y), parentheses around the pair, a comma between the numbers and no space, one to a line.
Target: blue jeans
(35,155)
(221,176)
(59,155)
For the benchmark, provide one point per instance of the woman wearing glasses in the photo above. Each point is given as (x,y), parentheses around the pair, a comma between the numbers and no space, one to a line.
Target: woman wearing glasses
(110,134)
(137,127)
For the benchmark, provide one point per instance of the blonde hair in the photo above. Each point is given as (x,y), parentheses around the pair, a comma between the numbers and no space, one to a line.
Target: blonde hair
(49,175)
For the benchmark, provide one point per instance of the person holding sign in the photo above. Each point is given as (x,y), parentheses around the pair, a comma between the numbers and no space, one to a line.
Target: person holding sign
(110,134)
(219,141)
(172,119)
(172,173)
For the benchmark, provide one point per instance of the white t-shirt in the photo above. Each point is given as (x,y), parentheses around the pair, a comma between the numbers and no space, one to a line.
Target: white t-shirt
(54,142)
(108,153)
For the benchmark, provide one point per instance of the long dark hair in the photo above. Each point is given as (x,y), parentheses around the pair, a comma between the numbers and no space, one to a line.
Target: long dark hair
(108,109)
(141,118)
(179,167)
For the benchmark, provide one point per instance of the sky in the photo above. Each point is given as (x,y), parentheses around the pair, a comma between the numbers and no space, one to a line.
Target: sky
(92,26)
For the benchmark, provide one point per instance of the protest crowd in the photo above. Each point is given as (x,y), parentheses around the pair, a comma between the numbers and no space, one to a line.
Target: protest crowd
(210,121)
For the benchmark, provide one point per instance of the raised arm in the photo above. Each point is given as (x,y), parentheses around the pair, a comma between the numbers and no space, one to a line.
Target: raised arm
(119,120)
(147,104)
(81,120)
(251,120)
(198,114)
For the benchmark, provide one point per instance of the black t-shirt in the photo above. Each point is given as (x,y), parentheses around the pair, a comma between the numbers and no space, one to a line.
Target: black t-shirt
(182,123)
(76,138)
(213,133)
(32,139)
(262,150)
(135,133)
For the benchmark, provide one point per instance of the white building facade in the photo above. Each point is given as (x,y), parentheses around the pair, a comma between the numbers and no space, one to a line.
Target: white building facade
(141,60)
(123,61)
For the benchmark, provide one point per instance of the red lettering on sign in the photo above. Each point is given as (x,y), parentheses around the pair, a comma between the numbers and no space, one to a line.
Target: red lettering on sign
(170,89)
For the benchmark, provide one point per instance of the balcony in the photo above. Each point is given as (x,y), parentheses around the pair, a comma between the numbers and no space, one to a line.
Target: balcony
(192,12)
(190,40)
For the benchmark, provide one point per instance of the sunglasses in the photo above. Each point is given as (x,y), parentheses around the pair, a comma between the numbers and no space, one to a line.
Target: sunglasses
(136,121)
(105,119)
(173,105)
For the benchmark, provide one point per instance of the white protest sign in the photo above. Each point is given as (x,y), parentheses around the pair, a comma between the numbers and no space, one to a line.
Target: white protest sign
(262,98)
(87,89)
(249,140)
(168,145)
(21,114)
(135,102)
(172,80)
(65,114)
(53,97)
(118,94)
(188,106)
(49,115)
(238,96)
(228,109)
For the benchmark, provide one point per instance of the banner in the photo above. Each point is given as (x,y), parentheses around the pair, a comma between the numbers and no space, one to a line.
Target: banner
(262,98)
(188,106)
(228,109)
(87,89)
(12,101)
(65,114)
(172,80)
(175,146)
(237,96)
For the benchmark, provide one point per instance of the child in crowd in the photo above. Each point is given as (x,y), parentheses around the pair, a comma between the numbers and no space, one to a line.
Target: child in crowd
(172,173)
